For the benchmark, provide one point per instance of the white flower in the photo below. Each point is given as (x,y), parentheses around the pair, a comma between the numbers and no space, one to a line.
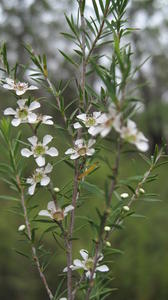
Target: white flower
(23,114)
(131,134)
(88,120)
(82,148)
(126,208)
(39,149)
(87,264)
(124,195)
(21,227)
(39,176)
(44,119)
(56,213)
(106,122)
(19,87)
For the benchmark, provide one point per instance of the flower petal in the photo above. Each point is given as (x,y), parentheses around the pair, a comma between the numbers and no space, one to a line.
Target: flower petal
(78,263)
(16,122)
(40,160)
(9,111)
(44,213)
(90,152)
(45,181)
(32,87)
(67,209)
(47,139)
(26,152)
(79,142)
(70,151)
(82,117)
(52,151)
(102,268)
(20,93)
(84,254)
(74,156)
(48,168)
(21,103)
(7,86)
(77,125)
(34,105)
(51,206)
(33,140)
(32,117)
(31,189)
(105,131)
(91,142)
(96,114)
(94,130)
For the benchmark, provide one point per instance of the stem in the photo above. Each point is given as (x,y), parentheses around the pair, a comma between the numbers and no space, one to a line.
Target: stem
(71,227)
(104,218)
(83,45)
(33,248)
(99,32)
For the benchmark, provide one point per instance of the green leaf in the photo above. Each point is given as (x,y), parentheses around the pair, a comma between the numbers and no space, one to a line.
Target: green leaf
(92,188)
(10,198)
(67,57)
(96,10)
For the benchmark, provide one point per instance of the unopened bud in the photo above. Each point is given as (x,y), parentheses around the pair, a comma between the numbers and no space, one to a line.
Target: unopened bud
(56,189)
(142,191)
(126,208)
(124,195)
(108,244)
(21,227)
(107,228)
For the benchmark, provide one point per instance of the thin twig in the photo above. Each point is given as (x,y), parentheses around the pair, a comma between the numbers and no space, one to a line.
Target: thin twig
(34,252)
(104,218)
(106,11)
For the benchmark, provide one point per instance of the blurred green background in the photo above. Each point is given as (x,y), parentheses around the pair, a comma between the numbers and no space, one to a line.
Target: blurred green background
(142,272)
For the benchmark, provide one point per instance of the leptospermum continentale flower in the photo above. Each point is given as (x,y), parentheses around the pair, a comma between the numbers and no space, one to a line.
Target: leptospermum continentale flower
(40,149)
(88,120)
(44,119)
(87,264)
(23,114)
(19,87)
(131,134)
(106,122)
(56,213)
(82,148)
(39,176)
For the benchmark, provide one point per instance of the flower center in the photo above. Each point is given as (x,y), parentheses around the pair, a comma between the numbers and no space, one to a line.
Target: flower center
(82,151)
(21,86)
(58,215)
(90,121)
(22,113)
(89,264)
(38,177)
(39,150)
(109,122)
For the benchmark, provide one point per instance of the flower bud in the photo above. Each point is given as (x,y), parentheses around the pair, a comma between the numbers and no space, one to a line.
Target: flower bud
(108,244)
(21,228)
(142,191)
(124,195)
(126,208)
(56,189)
(107,228)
